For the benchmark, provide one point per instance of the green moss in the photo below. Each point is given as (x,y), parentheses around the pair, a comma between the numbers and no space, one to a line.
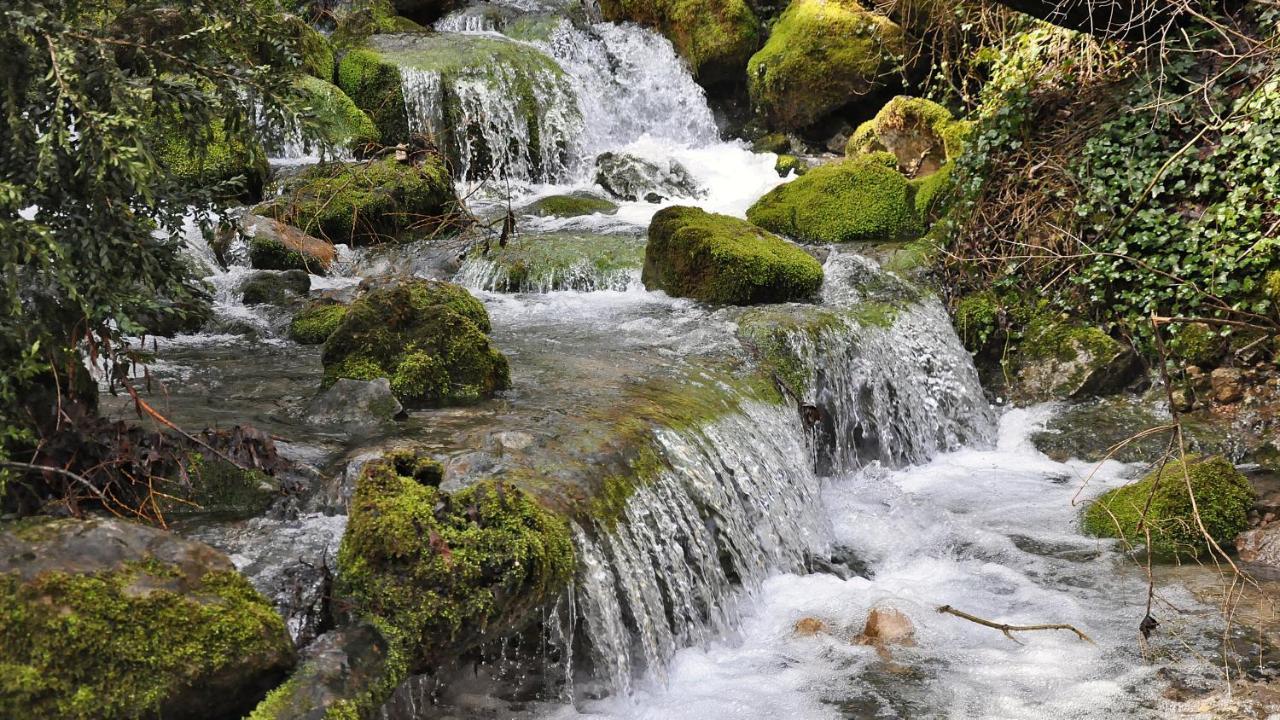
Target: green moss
(1222,496)
(717,258)
(215,486)
(428,338)
(976,317)
(317,51)
(316,322)
(1195,343)
(270,254)
(274,288)
(1272,287)
(716,37)
(822,55)
(788,164)
(438,569)
(1048,337)
(776,143)
(114,645)
(564,261)
(222,160)
(571,206)
(339,123)
(374,85)
(930,194)
(918,132)
(367,203)
(855,200)
(777,337)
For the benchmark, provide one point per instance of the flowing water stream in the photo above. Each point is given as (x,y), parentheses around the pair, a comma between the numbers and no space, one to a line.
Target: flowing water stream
(909,492)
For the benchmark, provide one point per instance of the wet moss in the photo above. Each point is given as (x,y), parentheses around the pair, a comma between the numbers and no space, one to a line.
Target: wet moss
(436,570)
(367,203)
(787,164)
(340,123)
(222,160)
(374,85)
(317,51)
(1222,494)
(720,259)
(274,288)
(566,206)
(214,486)
(856,200)
(976,317)
(316,322)
(112,645)
(716,37)
(822,55)
(915,130)
(931,194)
(428,338)
(773,335)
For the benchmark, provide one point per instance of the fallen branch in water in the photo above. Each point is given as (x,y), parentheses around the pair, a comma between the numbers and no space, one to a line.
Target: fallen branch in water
(1009,629)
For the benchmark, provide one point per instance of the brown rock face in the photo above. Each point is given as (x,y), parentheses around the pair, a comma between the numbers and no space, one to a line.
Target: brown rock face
(1227,385)
(806,627)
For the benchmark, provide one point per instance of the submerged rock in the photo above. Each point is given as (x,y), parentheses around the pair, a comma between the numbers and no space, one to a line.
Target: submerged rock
(1057,360)
(430,339)
(276,246)
(863,199)
(1223,497)
(716,37)
(367,203)
(630,178)
(720,259)
(555,261)
(353,403)
(888,626)
(574,205)
(821,56)
(269,287)
(106,619)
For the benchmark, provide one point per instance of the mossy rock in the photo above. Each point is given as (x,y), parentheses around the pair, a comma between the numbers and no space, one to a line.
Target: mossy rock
(316,322)
(822,55)
(1222,494)
(632,178)
(863,199)
(276,246)
(222,160)
(274,288)
(716,37)
(787,164)
(920,133)
(374,85)
(435,570)
(365,18)
(339,123)
(367,203)
(109,620)
(720,259)
(1059,359)
(214,486)
(572,205)
(428,338)
(316,50)
(561,261)
(976,317)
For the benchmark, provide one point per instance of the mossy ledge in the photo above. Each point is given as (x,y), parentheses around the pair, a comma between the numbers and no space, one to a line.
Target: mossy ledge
(1223,497)
(720,259)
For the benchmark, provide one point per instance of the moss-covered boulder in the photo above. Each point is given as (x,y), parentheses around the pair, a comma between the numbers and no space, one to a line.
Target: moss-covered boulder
(788,164)
(242,167)
(822,55)
(920,133)
(316,322)
(430,339)
(716,37)
(367,203)
(720,259)
(276,246)
(435,570)
(316,50)
(346,672)
(339,124)
(572,205)
(1059,359)
(863,199)
(105,619)
(442,85)
(269,287)
(210,485)
(556,261)
(1222,495)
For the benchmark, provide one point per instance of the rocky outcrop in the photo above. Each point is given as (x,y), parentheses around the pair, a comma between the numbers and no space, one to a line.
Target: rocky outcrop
(822,56)
(862,199)
(631,178)
(1058,360)
(354,403)
(105,619)
(430,339)
(720,259)
(367,203)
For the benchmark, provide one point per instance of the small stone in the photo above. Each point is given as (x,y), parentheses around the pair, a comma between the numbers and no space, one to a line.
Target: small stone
(1227,387)
(888,626)
(351,402)
(807,627)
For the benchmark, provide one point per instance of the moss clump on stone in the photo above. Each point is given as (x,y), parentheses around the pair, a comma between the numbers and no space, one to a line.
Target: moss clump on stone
(575,205)
(428,338)
(857,200)
(1223,498)
(931,192)
(374,85)
(436,570)
(976,317)
(144,639)
(564,261)
(274,288)
(367,203)
(716,37)
(316,322)
(339,123)
(822,55)
(920,133)
(213,486)
(787,164)
(720,259)
(222,160)
(1058,358)
(777,338)
(317,51)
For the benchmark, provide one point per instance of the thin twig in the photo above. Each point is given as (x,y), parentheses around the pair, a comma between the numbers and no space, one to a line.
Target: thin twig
(1009,629)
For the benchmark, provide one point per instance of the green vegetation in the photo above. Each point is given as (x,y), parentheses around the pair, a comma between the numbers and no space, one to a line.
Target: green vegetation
(335,118)
(862,199)
(716,37)
(1222,497)
(566,206)
(821,56)
(228,166)
(563,261)
(716,258)
(367,203)
(434,570)
(140,641)
(316,322)
(788,164)
(213,486)
(429,338)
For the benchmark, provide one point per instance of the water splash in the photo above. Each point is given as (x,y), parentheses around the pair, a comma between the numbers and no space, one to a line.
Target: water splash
(478,273)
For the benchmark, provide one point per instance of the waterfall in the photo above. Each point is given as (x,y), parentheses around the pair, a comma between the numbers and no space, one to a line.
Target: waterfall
(478,273)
